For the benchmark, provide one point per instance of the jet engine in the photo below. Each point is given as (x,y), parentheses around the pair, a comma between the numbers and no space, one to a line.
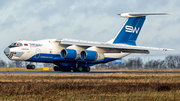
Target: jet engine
(70,54)
(91,55)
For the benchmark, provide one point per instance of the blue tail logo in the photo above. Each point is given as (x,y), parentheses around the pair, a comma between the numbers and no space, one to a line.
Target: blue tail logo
(130,31)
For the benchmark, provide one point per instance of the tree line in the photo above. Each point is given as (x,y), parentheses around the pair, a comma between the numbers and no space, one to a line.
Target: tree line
(169,62)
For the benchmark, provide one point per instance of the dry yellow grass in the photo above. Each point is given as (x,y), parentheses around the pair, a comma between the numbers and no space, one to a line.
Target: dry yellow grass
(95,78)
(95,87)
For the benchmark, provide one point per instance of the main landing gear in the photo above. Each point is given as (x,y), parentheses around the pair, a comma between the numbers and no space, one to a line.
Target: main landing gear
(64,69)
(75,69)
(81,69)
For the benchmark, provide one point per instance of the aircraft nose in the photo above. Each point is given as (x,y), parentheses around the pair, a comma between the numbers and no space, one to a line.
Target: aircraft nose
(7,51)
(13,54)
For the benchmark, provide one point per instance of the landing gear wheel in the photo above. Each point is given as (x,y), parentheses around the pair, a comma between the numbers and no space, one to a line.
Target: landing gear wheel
(75,69)
(60,68)
(86,69)
(78,69)
(30,67)
(33,66)
(56,68)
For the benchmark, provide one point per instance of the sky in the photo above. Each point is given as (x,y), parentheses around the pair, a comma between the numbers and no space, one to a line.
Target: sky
(93,20)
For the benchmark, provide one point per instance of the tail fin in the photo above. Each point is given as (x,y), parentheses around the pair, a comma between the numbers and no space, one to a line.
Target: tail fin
(130,31)
(131,28)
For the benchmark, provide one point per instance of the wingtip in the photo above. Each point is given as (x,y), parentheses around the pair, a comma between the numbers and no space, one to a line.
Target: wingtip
(168,49)
(168,13)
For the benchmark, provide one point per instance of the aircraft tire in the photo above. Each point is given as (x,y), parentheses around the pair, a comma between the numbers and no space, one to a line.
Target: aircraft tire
(33,67)
(56,68)
(30,67)
(75,69)
(86,69)
(78,69)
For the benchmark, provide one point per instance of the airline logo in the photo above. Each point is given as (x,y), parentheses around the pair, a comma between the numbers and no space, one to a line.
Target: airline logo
(35,45)
(131,29)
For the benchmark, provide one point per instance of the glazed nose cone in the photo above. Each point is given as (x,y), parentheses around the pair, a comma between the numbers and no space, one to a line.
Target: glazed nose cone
(7,51)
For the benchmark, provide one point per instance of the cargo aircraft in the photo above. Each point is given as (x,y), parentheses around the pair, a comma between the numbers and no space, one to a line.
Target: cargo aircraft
(79,55)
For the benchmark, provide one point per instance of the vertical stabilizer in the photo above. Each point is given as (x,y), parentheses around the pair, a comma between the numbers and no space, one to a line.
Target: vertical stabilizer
(131,28)
(130,31)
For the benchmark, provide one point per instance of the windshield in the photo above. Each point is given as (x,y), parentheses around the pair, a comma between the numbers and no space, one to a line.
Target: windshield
(16,44)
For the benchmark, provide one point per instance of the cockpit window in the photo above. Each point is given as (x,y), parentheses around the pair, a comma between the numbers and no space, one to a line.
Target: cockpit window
(16,44)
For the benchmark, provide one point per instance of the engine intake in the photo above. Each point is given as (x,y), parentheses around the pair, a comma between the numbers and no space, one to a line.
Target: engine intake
(70,54)
(91,55)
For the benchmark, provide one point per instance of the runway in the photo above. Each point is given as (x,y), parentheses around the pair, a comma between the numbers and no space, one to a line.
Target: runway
(91,72)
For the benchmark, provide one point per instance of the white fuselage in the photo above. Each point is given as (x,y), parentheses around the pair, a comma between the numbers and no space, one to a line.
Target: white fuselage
(35,50)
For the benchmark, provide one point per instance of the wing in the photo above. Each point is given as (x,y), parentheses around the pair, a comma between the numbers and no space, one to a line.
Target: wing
(111,47)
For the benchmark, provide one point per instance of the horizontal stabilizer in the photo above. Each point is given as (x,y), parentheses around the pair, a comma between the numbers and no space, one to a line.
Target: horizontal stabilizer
(140,14)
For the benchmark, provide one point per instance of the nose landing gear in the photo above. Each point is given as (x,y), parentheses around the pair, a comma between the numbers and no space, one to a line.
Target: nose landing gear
(30,66)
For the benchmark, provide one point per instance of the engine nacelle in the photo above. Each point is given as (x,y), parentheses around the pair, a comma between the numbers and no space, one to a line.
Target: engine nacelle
(70,54)
(91,55)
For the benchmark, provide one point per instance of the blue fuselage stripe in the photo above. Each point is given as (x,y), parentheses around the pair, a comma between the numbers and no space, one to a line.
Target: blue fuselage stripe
(56,58)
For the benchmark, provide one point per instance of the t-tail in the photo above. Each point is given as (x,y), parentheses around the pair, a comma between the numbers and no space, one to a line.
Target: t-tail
(131,28)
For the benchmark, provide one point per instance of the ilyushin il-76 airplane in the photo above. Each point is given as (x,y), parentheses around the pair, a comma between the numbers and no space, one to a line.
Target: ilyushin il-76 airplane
(79,55)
